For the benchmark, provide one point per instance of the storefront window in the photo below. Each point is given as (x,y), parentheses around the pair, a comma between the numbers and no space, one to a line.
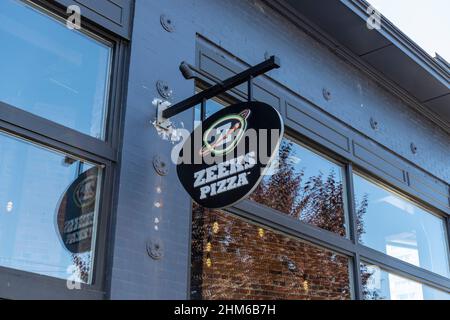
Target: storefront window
(51,71)
(48,211)
(236,259)
(305,186)
(382,285)
(211,107)
(301,184)
(395,226)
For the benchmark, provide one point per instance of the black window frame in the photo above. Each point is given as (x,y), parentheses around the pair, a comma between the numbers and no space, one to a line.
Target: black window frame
(277,221)
(18,284)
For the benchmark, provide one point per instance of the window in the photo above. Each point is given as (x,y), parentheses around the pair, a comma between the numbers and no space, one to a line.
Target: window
(49,205)
(211,107)
(53,72)
(236,259)
(382,285)
(305,186)
(393,225)
(59,130)
(301,184)
(233,256)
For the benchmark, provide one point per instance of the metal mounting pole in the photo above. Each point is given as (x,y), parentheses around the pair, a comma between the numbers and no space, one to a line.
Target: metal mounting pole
(272,63)
(250,89)
(203,110)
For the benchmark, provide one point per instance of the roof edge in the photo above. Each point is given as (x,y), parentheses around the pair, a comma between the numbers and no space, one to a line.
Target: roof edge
(314,31)
(435,65)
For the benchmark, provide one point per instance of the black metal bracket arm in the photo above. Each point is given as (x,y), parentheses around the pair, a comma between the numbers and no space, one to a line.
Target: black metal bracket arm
(246,76)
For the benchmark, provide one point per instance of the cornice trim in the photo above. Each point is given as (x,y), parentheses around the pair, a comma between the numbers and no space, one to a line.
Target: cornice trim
(322,37)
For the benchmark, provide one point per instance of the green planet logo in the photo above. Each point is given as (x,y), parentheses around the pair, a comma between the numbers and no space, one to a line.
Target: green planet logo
(224,134)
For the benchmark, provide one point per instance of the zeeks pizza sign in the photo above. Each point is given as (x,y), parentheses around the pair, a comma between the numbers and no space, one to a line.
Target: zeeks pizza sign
(225,158)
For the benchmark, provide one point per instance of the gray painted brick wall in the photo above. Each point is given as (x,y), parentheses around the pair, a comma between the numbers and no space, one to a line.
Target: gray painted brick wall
(247,29)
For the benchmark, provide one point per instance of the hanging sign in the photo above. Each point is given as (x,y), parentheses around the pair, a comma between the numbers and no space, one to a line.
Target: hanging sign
(76,212)
(225,158)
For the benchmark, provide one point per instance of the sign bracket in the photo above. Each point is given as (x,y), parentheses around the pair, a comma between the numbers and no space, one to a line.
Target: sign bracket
(164,112)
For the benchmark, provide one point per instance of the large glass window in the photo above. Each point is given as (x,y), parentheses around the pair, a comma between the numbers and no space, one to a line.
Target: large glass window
(379,284)
(301,183)
(236,259)
(306,186)
(51,71)
(48,210)
(211,107)
(393,225)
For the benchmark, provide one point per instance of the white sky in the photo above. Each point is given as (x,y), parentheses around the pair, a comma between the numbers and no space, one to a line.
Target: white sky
(426,22)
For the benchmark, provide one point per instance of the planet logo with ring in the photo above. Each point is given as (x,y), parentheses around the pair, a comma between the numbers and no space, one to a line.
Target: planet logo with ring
(224,134)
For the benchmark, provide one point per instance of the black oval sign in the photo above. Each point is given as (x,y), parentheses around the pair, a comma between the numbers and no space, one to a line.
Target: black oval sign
(224,159)
(76,212)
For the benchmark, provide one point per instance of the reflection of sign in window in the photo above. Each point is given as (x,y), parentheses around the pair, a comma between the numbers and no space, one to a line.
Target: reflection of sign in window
(79,229)
(85,192)
(76,212)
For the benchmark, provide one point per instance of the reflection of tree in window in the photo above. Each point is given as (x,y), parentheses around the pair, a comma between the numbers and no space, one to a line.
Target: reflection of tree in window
(233,259)
(83,263)
(369,292)
(314,199)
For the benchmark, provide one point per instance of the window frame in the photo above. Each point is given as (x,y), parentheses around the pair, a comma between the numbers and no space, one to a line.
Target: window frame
(273,219)
(396,273)
(347,246)
(105,153)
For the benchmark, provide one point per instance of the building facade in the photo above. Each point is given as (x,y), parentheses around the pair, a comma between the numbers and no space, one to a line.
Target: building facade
(90,203)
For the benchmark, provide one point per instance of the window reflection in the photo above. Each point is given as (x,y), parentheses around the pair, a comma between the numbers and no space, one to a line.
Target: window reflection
(305,186)
(48,211)
(211,107)
(300,183)
(381,285)
(51,71)
(236,259)
(399,228)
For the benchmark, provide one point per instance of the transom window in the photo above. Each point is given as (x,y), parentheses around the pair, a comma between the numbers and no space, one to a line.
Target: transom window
(53,72)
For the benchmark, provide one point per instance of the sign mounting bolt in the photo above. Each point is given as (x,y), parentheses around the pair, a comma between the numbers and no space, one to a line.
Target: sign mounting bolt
(167,23)
(160,165)
(164,89)
(154,249)
(374,124)
(326,94)
(414,148)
